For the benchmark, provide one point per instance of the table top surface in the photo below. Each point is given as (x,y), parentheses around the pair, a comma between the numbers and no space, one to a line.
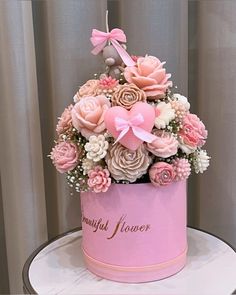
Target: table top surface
(58,268)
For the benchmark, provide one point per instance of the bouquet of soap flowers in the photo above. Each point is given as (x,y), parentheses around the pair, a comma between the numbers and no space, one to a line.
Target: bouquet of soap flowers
(127,125)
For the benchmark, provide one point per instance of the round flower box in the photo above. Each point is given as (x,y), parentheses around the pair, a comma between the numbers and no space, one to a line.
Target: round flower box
(135,233)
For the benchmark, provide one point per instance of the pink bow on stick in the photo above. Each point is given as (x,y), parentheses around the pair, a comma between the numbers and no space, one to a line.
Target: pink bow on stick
(125,125)
(99,40)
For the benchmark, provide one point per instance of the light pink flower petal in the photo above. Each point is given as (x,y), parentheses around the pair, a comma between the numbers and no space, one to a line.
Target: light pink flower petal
(93,117)
(84,123)
(145,68)
(133,71)
(158,75)
(142,82)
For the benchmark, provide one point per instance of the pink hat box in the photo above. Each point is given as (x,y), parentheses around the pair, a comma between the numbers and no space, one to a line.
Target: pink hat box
(135,233)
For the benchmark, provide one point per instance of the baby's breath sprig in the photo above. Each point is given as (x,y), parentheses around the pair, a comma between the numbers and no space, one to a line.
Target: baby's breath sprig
(173,127)
(191,158)
(77,180)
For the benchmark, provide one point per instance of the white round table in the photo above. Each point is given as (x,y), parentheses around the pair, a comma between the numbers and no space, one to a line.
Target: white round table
(57,268)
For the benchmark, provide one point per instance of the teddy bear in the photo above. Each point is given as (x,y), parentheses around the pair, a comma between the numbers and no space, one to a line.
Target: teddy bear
(113,61)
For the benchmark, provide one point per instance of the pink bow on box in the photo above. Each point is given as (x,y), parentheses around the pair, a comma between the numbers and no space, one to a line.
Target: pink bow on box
(133,123)
(99,40)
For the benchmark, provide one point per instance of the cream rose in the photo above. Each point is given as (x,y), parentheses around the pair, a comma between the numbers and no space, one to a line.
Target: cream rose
(125,164)
(88,115)
(127,95)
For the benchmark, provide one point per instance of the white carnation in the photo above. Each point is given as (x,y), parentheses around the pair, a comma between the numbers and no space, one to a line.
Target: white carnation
(183,100)
(201,161)
(96,148)
(165,115)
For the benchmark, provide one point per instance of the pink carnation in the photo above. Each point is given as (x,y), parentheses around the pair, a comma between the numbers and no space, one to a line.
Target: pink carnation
(88,115)
(65,121)
(193,134)
(99,180)
(64,156)
(161,173)
(165,145)
(149,75)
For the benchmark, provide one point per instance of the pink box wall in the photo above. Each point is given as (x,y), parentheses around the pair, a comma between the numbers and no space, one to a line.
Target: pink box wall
(135,232)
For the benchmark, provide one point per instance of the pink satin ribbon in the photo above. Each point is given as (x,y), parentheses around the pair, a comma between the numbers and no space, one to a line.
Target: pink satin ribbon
(99,40)
(124,126)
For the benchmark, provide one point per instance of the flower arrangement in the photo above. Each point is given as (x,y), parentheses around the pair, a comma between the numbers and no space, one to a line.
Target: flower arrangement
(127,125)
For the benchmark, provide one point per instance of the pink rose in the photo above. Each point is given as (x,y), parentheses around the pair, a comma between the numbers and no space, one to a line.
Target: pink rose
(165,145)
(64,156)
(88,89)
(149,75)
(193,134)
(161,173)
(99,180)
(88,115)
(65,121)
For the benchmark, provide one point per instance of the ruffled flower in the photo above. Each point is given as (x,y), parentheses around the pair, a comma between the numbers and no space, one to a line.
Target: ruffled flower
(96,148)
(65,121)
(161,174)
(149,75)
(99,180)
(125,164)
(88,89)
(193,134)
(127,95)
(108,83)
(65,156)
(88,115)
(182,168)
(201,161)
(107,86)
(164,146)
(164,114)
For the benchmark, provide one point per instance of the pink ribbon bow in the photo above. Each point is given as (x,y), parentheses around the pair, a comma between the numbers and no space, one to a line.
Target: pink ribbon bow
(133,123)
(99,40)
